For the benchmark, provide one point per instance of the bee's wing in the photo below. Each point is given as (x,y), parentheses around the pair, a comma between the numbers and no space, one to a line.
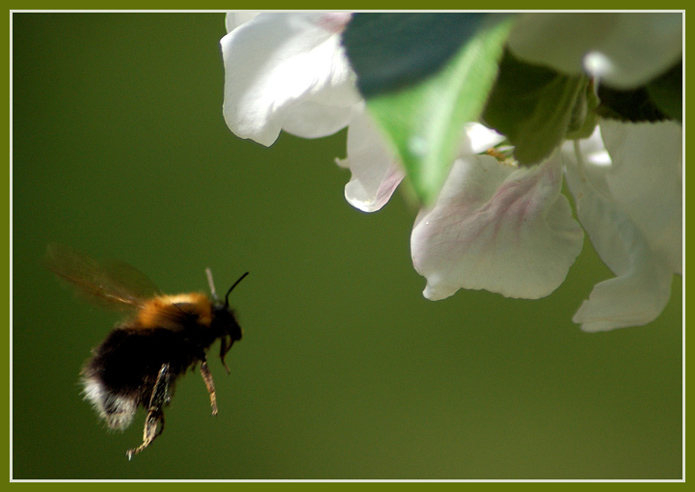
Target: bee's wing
(113,284)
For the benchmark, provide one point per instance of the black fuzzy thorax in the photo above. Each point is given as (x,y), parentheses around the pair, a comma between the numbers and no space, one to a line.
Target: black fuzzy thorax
(128,361)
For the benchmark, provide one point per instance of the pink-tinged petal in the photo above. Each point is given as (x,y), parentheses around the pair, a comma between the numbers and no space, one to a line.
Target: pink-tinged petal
(287,71)
(375,171)
(622,49)
(497,228)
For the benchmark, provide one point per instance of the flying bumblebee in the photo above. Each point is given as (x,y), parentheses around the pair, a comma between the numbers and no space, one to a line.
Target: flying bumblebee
(138,362)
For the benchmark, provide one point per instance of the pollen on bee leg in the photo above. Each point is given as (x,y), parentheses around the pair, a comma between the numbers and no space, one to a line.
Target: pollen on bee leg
(117,410)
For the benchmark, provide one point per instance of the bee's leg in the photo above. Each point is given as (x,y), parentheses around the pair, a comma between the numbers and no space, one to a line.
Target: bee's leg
(225,346)
(207,377)
(154,422)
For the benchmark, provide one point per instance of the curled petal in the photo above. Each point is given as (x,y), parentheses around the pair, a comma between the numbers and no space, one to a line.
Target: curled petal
(497,228)
(642,287)
(646,181)
(375,171)
(287,71)
(624,50)
(630,209)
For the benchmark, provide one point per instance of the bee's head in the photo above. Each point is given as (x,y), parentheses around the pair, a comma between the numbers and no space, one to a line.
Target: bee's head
(223,318)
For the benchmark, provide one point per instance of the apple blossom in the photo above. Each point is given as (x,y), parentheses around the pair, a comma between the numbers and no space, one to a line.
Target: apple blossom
(495,225)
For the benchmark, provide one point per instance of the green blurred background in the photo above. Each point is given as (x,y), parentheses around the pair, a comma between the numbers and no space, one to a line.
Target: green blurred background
(345,371)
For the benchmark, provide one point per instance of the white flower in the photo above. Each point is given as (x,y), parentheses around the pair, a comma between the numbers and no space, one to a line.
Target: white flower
(288,71)
(624,50)
(631,207)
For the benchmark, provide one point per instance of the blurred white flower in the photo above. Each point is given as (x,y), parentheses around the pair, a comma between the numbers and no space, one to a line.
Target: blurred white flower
(624,50)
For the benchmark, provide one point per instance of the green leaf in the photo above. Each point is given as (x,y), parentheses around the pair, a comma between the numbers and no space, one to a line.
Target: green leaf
(535,107)
(667,92)
(389,51)
(633,105)
(424,121)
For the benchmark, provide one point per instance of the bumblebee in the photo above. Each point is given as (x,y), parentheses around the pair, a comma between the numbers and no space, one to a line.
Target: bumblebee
(139,361)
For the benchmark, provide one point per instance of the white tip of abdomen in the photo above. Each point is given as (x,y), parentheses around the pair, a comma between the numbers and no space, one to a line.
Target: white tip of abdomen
(117,410)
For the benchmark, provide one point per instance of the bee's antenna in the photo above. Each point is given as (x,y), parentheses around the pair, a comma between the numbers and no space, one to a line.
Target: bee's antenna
(226,298)
(208,272)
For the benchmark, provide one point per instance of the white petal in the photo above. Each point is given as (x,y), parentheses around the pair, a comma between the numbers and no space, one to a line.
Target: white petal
(642,285)
(622,49)
(286,71)
(497,228)
(375,171)
(314,118)
(646,181)
(478,138)
(235,19)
